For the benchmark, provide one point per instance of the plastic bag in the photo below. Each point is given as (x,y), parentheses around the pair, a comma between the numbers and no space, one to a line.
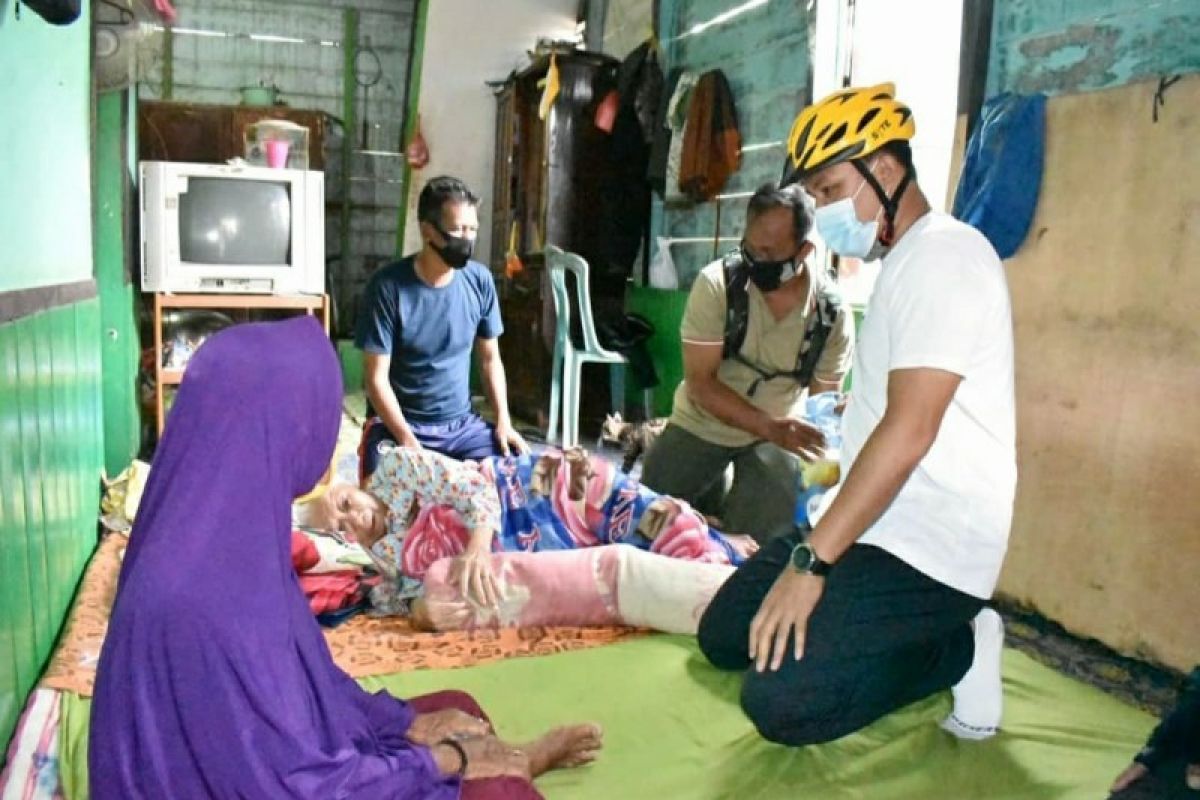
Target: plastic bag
(662,267)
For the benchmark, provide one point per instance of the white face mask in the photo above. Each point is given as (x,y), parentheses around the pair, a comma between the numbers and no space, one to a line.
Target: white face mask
(845,233)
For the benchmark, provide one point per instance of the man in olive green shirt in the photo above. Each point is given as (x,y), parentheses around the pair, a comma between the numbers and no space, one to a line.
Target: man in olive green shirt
(726,412)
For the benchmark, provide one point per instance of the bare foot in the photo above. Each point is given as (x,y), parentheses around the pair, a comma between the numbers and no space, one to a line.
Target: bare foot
(568,746)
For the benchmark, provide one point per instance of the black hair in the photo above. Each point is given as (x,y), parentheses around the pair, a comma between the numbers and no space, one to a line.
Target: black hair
(439,191)
(900,150)
(769,196)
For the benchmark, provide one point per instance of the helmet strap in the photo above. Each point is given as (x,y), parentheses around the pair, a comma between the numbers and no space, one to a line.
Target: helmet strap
(890,204)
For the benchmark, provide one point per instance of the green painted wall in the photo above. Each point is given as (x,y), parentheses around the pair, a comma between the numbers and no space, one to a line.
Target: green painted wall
(115,257)
(50,363)
(1064,47)
(50,456)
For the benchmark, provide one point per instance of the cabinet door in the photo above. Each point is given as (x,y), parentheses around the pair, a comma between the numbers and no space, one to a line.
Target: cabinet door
(504,185)
(183,132)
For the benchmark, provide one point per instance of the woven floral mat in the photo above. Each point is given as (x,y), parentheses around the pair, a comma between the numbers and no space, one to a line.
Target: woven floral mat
(362,646)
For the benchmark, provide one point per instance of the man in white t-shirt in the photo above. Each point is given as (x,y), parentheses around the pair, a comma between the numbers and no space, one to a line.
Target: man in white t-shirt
(883,603)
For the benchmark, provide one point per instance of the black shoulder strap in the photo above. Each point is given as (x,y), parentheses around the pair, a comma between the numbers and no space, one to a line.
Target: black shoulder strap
(737,303)
(828,303)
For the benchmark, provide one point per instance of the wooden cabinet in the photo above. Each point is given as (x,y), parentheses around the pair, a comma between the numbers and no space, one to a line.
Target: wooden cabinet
(164,377)
(213,134)
(550,177)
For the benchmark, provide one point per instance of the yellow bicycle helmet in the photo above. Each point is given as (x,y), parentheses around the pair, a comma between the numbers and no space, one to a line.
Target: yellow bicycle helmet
(847,125)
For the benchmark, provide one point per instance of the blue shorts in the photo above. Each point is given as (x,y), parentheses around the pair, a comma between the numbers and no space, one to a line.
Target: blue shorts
(470,437)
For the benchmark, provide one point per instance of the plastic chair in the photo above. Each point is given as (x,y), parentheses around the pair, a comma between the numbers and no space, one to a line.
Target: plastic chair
(569,360)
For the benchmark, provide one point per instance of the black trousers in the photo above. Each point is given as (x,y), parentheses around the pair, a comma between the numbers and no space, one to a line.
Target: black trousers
(882,636)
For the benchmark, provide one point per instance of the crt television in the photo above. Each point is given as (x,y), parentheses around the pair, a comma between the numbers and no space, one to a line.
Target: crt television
(232,229)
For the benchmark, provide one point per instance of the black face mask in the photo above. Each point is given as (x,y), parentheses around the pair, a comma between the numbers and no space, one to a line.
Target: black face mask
(456,251)
(768,275)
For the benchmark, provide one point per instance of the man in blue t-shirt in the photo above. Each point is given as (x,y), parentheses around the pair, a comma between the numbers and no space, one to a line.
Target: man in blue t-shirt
(420,317)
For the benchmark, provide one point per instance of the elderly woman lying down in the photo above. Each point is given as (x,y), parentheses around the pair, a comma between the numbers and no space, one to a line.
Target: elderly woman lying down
(420,507)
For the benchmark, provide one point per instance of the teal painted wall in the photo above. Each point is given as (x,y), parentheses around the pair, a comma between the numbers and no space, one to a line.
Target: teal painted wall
(46,99)
(1077,45)
(765,55)
(114,187)
(50,363)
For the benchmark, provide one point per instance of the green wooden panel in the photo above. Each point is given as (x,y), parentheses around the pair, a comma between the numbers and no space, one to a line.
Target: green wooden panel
(119,339)
(50,457)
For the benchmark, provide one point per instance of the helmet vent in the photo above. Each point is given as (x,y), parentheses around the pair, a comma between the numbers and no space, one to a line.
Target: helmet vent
(866,119)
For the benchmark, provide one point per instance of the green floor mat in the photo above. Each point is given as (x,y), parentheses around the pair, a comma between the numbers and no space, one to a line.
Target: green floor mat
(673,729)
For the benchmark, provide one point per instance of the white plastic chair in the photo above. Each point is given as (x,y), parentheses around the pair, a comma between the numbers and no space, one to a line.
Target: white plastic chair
(569,360)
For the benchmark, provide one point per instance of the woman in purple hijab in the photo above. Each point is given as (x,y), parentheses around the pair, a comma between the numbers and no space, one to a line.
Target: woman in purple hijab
(215,680)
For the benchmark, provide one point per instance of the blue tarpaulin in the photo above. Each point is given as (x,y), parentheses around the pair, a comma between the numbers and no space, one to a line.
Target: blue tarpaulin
(997,192)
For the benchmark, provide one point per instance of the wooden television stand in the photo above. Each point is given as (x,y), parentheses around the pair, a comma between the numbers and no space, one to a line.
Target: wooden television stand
(163,377)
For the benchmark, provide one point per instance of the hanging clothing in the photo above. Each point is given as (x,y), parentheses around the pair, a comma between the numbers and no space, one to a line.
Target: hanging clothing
(660,141)
(625,220)
(214,679)
(677,116)
(712,143)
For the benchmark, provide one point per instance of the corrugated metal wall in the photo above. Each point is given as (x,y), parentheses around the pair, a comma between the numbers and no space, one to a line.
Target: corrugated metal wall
(50,399)
(297,46)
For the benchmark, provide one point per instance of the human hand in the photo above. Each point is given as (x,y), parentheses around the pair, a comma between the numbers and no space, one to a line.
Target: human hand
(1136,771)
(743,545)
(449,723)
(797,436)
(508,438)
(410,441)
(1132,774)
(784,610)
(473,573)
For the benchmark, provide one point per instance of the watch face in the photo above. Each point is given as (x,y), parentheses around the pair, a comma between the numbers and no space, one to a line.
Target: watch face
(802,558)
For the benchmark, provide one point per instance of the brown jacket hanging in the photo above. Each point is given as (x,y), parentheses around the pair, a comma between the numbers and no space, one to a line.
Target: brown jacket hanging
(712,144)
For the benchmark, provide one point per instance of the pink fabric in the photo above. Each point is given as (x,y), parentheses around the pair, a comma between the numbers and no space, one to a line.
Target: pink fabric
(562,587)
(686,537)
(304,553)
(491,788)
(333,591)
(437,532)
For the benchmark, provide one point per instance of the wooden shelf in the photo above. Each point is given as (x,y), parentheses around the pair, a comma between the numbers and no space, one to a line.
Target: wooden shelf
(163,376)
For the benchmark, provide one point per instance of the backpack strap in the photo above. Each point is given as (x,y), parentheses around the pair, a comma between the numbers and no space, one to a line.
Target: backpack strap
(829,300)
(737,317)
(737,303)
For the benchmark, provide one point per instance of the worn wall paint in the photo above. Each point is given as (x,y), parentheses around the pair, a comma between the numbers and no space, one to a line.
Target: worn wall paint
(44,159)
(114,254)
(1075,45)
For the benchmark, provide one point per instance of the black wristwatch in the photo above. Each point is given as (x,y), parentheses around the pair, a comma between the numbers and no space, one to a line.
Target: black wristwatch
(806,561)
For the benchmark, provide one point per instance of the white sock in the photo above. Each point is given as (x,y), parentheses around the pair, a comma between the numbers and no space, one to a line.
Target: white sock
(979,696)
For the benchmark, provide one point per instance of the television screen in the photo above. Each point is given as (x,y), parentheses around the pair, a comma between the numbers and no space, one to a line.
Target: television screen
(229,221)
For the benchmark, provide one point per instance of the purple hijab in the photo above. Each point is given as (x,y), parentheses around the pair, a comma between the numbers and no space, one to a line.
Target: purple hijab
(215,680)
